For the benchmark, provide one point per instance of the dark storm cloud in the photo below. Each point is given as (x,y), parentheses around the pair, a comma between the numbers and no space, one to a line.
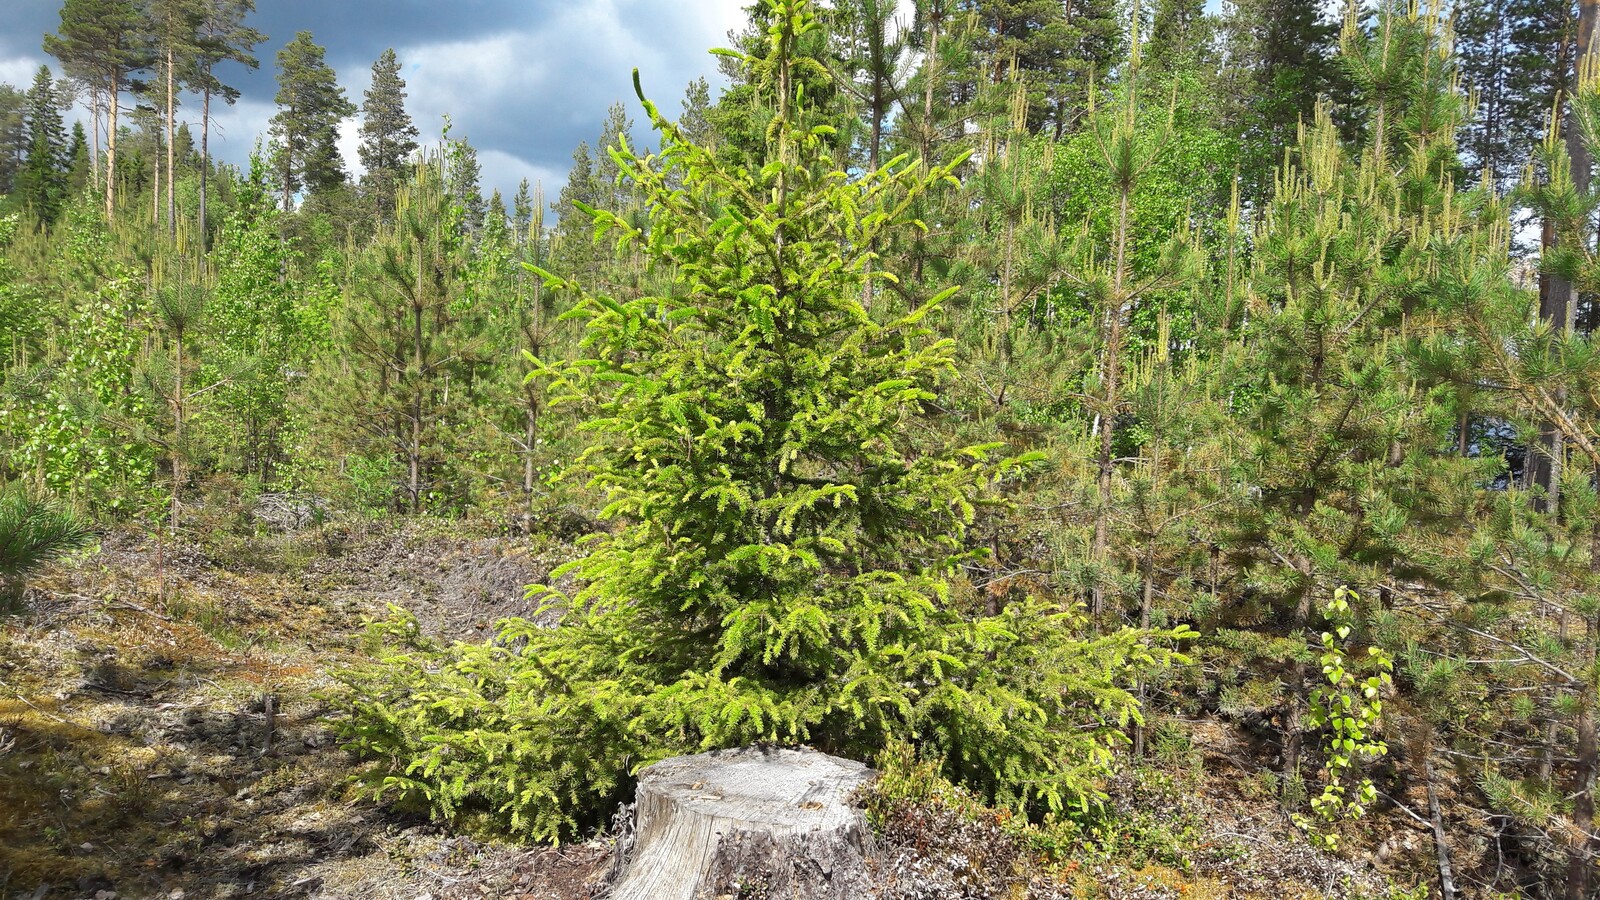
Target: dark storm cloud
(523,80)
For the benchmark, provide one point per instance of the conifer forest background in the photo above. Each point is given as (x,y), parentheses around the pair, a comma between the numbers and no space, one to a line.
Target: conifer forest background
(1163,438)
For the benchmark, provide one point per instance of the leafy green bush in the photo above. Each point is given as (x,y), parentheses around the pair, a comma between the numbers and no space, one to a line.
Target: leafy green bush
(780,569)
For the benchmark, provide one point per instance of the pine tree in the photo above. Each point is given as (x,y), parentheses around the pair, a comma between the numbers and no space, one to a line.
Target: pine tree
(1349,438)
(407,334)
(34,530)
(922,121)
(180,310)
(1544,364)
(257,334)
(174,30)
(223,38)
(42,183)
(99,43)
(1118,282)
(874,59)
(388,137)
(305,129)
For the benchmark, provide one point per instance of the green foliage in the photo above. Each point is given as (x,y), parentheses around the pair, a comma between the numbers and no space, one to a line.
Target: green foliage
(256,334)
(388,137)
(34,530)
(72,418)
(42,180)
(1350,708)
(306,127)
(779,568)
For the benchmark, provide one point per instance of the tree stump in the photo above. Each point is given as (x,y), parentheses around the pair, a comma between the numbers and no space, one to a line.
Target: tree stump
(755,821)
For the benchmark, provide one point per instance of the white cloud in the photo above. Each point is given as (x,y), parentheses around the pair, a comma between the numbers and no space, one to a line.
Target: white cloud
(18,72)
(349,141)
(234,129)
(526,83)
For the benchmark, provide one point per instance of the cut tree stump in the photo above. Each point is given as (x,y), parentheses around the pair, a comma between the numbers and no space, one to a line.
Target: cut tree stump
(754,821)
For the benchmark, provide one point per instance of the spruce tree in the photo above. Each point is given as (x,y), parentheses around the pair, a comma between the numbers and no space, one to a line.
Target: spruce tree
(523,207)
(696,107)
(466,187)
(42,182)
(78,161)
(1057,50)
(1179,31)
(1287,46)
(1510,58)
(388,137)
(13,135)
(305,130)
(575,252)
(611,189)
(780,568)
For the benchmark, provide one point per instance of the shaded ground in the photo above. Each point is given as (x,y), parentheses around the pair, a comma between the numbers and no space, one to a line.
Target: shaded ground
(161,736)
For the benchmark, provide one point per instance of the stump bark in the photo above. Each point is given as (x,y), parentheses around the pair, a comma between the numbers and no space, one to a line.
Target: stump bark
(752,822)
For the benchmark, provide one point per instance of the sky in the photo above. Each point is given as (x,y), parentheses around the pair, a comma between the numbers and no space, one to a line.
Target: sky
(522,80)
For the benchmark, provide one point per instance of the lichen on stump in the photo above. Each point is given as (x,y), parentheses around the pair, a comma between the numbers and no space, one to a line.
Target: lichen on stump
(780,822)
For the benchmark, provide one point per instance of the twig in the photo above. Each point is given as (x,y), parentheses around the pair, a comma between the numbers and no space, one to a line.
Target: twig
(1441,843)
(128,604)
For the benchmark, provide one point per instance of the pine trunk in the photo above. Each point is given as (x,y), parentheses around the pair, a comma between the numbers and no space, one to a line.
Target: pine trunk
(177,437)
(172,159)
(205,165)
(1441,841)
(1584,846)
(1112,355)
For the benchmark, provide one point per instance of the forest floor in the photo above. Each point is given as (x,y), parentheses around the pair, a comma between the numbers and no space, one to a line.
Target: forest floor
(161,735)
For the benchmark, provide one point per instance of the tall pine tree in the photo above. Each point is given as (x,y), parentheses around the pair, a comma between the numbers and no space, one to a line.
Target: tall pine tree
(305,130)
(100,44)
(223,37)
(388,137)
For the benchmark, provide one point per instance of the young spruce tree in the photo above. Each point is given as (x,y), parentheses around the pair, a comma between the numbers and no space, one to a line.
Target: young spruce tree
(779,569)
